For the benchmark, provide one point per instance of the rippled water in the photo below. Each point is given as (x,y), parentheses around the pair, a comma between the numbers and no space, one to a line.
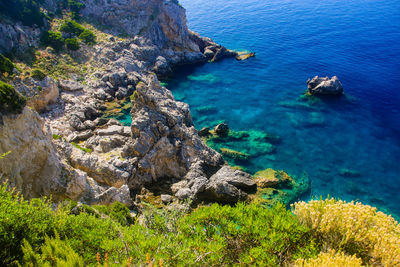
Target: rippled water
(356,40)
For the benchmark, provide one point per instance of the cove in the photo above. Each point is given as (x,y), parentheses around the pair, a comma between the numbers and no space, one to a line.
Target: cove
(349,146)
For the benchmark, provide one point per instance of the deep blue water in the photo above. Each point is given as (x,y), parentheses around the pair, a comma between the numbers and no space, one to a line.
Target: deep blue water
(357,40)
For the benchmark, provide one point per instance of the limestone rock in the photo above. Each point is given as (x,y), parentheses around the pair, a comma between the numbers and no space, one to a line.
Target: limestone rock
(229,186)
(324,86)
(32,166)
(47,94)
(69,85)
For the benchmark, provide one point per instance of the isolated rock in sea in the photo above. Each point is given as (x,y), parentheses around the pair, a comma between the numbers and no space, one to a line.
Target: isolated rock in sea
(244,55)
(324,86)
(222,130)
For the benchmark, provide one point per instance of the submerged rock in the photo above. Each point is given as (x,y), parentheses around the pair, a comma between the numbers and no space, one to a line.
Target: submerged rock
(205,131)
(324,86)
(234,154)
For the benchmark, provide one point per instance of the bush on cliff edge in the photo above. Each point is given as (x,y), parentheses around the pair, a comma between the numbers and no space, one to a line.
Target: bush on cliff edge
(32,233)
(10,100)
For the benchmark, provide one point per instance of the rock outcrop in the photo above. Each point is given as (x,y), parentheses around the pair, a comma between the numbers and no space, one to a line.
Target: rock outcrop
(32,166)
(17,37)
(97,160)
(324,86)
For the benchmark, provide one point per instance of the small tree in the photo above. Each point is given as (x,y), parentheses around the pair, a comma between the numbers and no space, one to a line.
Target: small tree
(88,37)
(53,39)
(72,44)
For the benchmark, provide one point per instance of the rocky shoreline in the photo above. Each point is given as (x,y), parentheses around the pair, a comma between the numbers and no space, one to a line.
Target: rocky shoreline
(96,160)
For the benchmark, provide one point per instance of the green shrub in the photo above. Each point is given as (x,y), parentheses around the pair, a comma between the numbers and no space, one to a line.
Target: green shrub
(75,6)
(118,212)
(88,37)
(53,39)
(72,44)
(10,100)
(54,252)
(5,65)
(248,235)
(37,74)
(73,27)
(19,220)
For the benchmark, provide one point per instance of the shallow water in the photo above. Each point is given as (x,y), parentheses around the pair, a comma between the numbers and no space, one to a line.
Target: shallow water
(348,146)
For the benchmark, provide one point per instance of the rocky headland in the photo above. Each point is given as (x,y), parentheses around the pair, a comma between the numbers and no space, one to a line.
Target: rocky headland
(72,150)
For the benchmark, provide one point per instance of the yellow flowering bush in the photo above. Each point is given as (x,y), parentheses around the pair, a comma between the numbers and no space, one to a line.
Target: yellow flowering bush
(330,259)
(353,228)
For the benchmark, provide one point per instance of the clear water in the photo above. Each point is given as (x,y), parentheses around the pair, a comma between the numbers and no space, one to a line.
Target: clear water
(357,40)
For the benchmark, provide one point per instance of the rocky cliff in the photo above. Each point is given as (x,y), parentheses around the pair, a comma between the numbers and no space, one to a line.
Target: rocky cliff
(99,160)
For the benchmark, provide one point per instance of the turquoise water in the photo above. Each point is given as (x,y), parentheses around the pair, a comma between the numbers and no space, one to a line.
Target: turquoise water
(349,146)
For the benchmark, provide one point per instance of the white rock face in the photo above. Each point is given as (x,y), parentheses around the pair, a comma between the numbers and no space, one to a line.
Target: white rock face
(32,166)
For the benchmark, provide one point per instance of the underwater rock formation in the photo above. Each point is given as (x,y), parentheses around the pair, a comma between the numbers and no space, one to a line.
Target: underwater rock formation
(277,186)
(324,86)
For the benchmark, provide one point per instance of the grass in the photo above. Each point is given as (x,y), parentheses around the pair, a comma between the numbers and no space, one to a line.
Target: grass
(87,150)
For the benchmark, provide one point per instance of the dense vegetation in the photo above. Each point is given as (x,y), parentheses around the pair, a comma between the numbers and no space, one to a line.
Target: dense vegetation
(72,44)
(53,39)
(26,11)
(6,66)
(32,233)
(10,100)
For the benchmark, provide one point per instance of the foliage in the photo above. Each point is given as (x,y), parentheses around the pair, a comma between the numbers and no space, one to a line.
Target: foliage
(353,228)
(331,259)
(10,100)
(53,39)
(248,235)
(118,212)
(5,65)
(56,136)
(3,155)
(26,11)
(19,220)
(72,44)
(54,252)
(38,74)
(88,37)
(75,6)
(34,234)
(72,27)
(87,150)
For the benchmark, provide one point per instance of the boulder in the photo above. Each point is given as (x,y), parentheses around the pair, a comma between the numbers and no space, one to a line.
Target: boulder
(222,130)
(205,131)
(228,185)
(69,85)
(324,86)
(244,55)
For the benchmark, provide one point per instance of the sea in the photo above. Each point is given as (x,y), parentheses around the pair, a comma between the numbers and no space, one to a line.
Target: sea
(348,146)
